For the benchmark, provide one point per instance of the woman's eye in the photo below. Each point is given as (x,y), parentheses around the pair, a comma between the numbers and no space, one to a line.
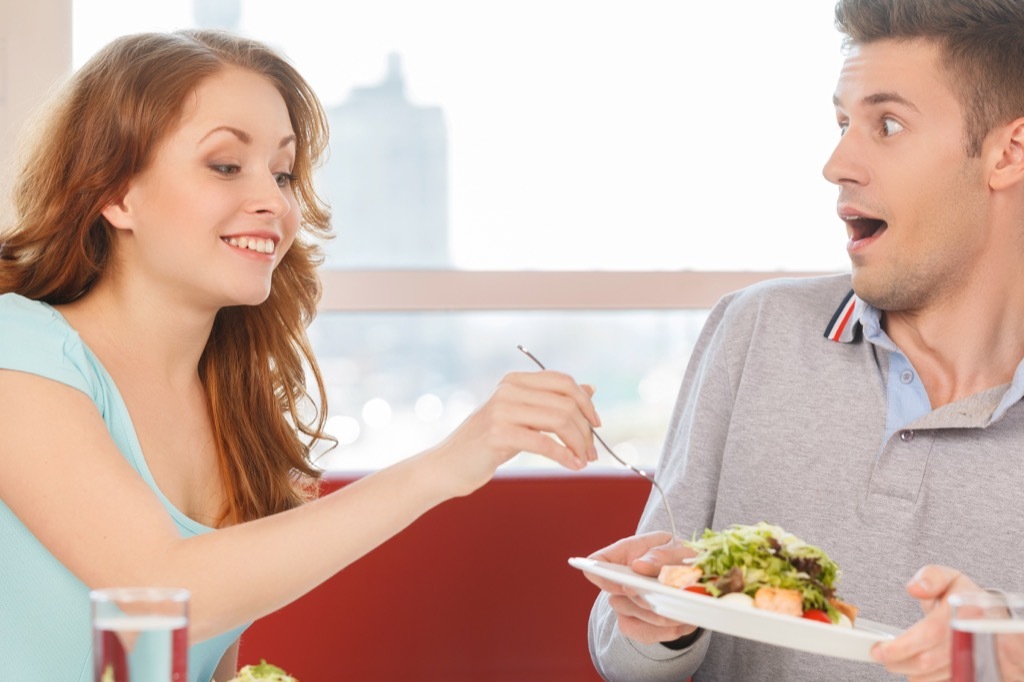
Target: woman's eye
(891,127)
(284,179)
(225,168)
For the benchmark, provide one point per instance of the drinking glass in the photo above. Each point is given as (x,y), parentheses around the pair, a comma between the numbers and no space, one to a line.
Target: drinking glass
(140,634)
(988,636)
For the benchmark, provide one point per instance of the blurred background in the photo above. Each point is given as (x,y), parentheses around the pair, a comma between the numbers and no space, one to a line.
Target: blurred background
(604,141)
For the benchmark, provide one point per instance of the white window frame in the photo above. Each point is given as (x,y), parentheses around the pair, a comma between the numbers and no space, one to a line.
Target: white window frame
(438,290)
(35,54)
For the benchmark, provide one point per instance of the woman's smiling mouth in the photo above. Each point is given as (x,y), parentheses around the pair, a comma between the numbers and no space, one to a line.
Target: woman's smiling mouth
(257,244)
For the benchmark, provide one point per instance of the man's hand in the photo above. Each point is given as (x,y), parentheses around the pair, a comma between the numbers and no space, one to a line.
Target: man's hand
(645,554)
(923,652)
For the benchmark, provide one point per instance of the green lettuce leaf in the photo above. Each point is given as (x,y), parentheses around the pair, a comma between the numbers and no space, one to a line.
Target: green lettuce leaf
(768,556)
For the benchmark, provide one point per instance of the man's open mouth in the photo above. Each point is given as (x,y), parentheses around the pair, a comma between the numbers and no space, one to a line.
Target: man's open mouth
(861,227)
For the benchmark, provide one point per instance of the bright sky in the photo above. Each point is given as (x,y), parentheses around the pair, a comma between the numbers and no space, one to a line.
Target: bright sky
(588,134)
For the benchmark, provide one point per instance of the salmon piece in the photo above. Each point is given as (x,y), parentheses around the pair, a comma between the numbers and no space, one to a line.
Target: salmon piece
(679,576)
(848,610)
(779,600)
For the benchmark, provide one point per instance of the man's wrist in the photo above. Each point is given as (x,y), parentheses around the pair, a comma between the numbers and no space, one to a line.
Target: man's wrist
(684,642)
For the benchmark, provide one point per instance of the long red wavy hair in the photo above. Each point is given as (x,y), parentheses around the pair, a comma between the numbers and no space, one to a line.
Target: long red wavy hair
(102,130)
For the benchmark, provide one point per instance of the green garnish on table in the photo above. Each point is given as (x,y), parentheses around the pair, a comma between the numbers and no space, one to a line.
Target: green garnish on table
(264,672)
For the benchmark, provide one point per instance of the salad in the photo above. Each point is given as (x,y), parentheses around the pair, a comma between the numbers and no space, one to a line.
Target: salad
(766,567)
(264,672)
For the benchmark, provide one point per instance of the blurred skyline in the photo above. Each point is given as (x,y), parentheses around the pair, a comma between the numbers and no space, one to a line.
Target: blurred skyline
(653,135)
(387,179)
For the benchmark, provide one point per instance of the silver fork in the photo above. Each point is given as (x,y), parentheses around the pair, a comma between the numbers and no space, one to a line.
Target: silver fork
(639,472)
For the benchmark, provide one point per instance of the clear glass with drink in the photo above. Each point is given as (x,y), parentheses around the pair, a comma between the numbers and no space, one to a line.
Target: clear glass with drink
(988,636)
(140,634)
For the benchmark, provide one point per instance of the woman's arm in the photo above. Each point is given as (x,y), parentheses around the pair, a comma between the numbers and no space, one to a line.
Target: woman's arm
(62,475)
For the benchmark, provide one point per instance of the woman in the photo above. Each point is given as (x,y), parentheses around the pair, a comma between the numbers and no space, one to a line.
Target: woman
(154,294)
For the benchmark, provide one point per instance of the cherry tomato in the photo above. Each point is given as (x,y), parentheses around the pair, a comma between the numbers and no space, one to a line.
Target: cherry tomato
(817,614)
(698,589)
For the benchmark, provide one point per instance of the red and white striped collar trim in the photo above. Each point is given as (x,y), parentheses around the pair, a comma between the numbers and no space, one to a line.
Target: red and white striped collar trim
(845,323)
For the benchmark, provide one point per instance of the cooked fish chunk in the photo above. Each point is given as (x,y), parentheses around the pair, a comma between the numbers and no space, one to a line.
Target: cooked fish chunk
(679,576)
(779,600)
(848,610)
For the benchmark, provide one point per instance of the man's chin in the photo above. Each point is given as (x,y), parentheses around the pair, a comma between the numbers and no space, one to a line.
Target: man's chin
(889,294)
(870,289)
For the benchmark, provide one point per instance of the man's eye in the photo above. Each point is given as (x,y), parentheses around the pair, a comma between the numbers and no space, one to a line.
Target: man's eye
(891,127)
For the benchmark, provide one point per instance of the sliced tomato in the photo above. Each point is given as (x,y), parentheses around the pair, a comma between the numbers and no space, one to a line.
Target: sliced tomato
(698,589)
(817,614)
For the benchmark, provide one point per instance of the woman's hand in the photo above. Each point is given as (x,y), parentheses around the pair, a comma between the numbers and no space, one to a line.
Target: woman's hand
(645,554)
(526,412)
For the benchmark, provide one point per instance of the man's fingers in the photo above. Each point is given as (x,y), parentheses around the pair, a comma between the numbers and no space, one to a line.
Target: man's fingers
(933,581)
(626,550)
(931,630)
(667,554)
(638,622)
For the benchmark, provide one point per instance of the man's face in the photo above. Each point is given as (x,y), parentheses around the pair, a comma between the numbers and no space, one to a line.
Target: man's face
(914,204)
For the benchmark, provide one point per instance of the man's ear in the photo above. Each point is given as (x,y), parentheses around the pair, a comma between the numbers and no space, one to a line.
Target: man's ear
(1009,166)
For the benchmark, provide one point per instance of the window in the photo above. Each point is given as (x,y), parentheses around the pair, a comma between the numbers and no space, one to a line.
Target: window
(650,135)
(479,148)
(400,382)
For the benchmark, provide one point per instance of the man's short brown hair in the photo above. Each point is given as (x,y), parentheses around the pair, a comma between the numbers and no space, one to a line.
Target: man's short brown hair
(982,43)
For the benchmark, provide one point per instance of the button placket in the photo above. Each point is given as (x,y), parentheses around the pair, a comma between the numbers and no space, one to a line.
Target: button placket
(897,477)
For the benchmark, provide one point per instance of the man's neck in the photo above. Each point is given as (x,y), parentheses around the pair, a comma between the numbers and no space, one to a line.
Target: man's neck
(965,344)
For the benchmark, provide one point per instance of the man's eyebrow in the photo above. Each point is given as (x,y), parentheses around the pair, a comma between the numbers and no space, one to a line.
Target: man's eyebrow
(882,98)
(245,137)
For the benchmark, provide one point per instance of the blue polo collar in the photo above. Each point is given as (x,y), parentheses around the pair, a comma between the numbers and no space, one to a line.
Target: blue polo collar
(847,325)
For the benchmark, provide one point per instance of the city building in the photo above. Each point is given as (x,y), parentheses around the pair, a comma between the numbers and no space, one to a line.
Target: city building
(387,179)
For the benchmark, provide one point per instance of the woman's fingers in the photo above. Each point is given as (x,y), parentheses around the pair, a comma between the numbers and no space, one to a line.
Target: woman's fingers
(557,383)
(548,402)
(542,412)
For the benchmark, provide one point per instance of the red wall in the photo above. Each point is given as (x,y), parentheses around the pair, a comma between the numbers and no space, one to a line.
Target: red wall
(478,589)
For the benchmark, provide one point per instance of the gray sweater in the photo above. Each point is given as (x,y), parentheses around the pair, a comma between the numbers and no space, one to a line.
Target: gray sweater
(777,423)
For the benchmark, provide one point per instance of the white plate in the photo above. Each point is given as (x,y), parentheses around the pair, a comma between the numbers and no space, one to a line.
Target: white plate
(750,623)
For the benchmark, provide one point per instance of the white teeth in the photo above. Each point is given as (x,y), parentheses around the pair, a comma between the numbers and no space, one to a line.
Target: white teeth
(252,244)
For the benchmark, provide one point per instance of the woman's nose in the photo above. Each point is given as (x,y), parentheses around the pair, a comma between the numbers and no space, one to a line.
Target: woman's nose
(270,198)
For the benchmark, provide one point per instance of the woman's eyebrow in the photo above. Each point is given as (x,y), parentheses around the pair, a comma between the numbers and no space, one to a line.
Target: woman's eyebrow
(245,137)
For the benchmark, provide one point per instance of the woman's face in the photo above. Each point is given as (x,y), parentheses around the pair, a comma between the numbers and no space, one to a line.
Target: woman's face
(214,212)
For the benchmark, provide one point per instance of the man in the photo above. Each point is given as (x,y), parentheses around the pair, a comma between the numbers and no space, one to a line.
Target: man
(894,439)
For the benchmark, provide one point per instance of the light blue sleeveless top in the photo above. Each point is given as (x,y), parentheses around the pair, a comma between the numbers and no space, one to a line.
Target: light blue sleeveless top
(45,633)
